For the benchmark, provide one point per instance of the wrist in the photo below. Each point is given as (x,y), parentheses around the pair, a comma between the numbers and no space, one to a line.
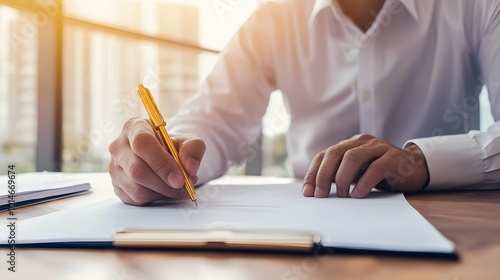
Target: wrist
(420,164)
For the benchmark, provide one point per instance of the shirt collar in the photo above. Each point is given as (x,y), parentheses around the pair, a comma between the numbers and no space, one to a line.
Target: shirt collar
(411,7)
(319,5)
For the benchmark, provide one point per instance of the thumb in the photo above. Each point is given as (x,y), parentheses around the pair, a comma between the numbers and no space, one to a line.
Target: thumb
(191,149)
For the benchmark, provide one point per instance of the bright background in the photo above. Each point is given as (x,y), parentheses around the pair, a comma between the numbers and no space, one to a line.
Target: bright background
(102,67)
(109,46)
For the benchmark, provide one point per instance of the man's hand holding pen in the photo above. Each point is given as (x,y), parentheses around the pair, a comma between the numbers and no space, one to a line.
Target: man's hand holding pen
(143,171)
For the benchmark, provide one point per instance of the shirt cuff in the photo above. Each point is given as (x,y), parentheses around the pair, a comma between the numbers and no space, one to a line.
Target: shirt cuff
(453,161)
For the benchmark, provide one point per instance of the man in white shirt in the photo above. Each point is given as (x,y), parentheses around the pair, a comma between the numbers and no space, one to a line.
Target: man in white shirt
(393,73)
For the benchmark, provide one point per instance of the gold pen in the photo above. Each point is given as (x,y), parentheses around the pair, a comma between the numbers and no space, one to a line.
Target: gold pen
(159,124)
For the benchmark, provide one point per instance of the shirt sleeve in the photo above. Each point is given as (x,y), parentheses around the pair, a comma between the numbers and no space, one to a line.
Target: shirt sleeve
(472,160)
(227,111)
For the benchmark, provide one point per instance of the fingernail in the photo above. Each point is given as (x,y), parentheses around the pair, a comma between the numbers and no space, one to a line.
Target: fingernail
(175,180)
(341,193)
(308,190)
(192,165)
(355,194)
(319,192)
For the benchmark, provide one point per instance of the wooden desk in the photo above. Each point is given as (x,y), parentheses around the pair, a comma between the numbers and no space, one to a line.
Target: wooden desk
(470,219)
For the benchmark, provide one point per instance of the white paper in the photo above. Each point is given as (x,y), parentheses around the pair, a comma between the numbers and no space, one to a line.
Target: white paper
(383,221)
(39,185)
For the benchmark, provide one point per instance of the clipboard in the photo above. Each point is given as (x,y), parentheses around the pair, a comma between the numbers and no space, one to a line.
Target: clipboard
(216,238)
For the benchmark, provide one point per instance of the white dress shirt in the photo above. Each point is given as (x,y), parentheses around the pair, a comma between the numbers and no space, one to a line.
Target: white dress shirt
(414,76)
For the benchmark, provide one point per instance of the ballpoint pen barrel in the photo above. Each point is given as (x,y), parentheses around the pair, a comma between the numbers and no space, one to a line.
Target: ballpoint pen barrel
(159,124)
(151,108)
(171,148)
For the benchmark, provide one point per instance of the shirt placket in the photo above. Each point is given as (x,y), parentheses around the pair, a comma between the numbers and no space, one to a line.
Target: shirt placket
(365,87)
(360,50)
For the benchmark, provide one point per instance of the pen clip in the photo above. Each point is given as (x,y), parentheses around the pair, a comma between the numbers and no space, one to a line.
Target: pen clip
(151,107)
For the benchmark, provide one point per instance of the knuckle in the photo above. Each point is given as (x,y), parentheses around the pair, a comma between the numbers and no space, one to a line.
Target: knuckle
(111,167)
(377,142)
(363,137)
(136,171)
(116,147)
(203,146)
(309,178)
(139,195)
(367,137)
(195,145)
(341,181)
(140,198)
(112,148)
(375,167)
(140,140)
(319,156)
(333,150)
(117,190)
(124,199)
(120,193)
(163,165)
(395,154)
(351,155)
(130,123)
(117,193)
(323,179)
(310,175)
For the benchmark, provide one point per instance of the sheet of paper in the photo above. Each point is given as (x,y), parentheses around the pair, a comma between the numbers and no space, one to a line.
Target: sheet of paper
(40,185)
(383,221)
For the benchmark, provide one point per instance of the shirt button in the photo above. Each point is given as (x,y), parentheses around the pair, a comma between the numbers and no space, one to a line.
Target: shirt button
(366,95)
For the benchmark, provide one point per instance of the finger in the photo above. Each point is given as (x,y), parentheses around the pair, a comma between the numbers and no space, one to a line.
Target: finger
(372,177)
(327,170)
(142,194)
(136,170)
(191,150)
(353,162)
(145,145)
(132,193)
(329,166)
(194,179)
(124,197)
(310,178)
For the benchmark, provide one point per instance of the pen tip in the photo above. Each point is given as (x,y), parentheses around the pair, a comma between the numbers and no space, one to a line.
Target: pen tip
(195,203)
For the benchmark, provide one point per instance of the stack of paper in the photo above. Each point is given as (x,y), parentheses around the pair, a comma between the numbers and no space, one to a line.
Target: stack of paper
(33,188)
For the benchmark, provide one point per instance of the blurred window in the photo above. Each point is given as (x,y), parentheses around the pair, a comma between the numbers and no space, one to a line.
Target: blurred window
(18,90)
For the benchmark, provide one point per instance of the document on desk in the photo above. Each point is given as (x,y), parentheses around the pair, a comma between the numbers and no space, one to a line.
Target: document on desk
(38,187)
(380,222)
